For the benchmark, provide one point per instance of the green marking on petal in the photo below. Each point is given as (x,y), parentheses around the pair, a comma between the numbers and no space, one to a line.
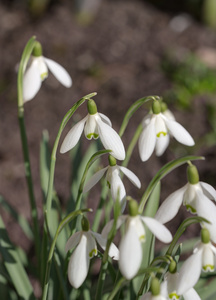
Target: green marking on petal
(142,238)
(174,296)
(109,185)
(92,135)
(44,75)
(190,208)
(208,268)
(161,132)
(93,253)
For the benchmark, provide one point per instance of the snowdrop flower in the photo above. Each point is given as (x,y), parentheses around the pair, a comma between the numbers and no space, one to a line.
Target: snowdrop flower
(95,125)
(202,259)
(155,293)
(86,248)
(38,71)
(169,286)
(156,133)
(114,180)
(195,195)
(130,248)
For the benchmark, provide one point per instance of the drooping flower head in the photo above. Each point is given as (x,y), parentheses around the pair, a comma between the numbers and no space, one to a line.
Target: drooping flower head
(130,248)
(86,248)
(114,180)
(95,125)
(157,129)
(202,259)
(37,72)
(169,286)
(195,196)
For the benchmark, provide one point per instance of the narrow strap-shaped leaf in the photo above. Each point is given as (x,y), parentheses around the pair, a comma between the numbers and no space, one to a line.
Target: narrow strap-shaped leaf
(166,169)
(14,266)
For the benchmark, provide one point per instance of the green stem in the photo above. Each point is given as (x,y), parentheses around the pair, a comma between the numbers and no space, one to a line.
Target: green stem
(23,63)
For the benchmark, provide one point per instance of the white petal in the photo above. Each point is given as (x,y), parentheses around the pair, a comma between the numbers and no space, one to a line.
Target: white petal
(59,72)
(170,206)
(189,273)
(113,250)
(131,176)
(111,140)
(162,143)
(105,119)
(147,141)
(130,253)
(31,82)
(91,128)
(94,179)
(73,241)
(91,245)
(117,187)
(208,258)
(109,225)
(207,209)
(79,264)
(73,136)
(191,294)
(208,190)
(179,133)
(158,229)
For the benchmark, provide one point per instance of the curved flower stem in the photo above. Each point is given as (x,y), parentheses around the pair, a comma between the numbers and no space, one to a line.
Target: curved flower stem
(52,248)
(53,155)
(22,67)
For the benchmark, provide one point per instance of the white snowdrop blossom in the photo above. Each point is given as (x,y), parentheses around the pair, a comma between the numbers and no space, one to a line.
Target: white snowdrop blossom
(95,125)
(86,248)
(130,248)
(114,180)
(169,285)
(37,72)
(157,129)
(202,259)
(195,196)
(149,296)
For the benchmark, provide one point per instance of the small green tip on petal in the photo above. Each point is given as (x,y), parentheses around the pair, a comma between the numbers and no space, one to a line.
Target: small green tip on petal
(133,208)
(37,51)
(156,107)
(85,224)
(112,161)
(192,174)
(172,267)
(92,107)
(155,287)
(205,236)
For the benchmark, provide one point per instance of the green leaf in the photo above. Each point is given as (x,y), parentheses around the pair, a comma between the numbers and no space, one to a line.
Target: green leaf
(17,217)
(166,169)
(14,266)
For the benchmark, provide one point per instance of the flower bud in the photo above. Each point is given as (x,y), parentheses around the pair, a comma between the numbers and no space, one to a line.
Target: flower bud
(156,107)
(85,224)
(37,50)
(205,236)
(112,161)
(133,208)
(92,107)
(192,174)
(172,267)
(155,287)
